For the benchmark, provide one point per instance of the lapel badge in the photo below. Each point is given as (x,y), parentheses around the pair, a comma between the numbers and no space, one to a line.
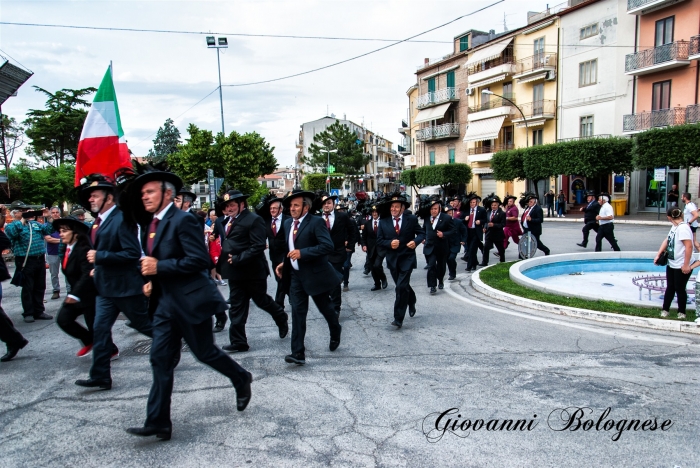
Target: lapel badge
(152,235)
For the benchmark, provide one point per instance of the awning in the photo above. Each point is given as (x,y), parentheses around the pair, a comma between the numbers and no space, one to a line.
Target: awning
(539,76)
(432,113)
(429,190)
(479,84)
(486,129)
(482,170)
(488,53)
(530,124)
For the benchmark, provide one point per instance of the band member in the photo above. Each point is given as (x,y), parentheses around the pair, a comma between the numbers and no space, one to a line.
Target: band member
(176,263)
(438,229)
(9,335)
(218,234)
(350,249)
(493,230)
(399,235)
(184,201)
(458,238)
(375,254)
(606,230)
(115,254)
(532,219)
(475,219)
(307,272)
(512,228)
(590,212)
(271,212)
(243,264)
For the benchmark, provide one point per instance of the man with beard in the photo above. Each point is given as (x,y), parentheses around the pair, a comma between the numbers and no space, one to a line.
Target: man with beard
(438,229)
(375,254)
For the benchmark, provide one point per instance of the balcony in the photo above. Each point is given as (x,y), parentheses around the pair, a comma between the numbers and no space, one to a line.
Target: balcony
(438,97)
(491,71)
(692,113)
(438,132)
(536,113)
(694,50)
(484,153)
(405,146)
(537,67)
(382,164)
(635,123)
(383,180)
(492,108)
(672,55)
(641,7)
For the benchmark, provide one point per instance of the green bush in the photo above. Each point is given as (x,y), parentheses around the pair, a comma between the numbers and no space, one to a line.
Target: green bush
(677,146)
(315,182)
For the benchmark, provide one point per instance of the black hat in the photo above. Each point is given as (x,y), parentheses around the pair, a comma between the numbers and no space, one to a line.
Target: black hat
(340,207)
(525,197)
(263,208)
(490,199)
(397,197)
(509,197)
(605,194)
(187,193)
(233,195)
(448,208)
(590,193)
(131,183)
(73,223)
(94,182)
(296,193)
(77,211)
(19,205)
(473,196)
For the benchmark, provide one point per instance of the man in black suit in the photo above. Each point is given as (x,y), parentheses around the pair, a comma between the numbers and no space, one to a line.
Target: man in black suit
(590,211)
(532,219)
(275,239)
(307,272)
(438,229)
(457,239)
(343,236)
(184,201)
(475,219)
(9,335)
(399,235)
(115,254)
(375,254)
(493,231)
(177,265)
(242,263)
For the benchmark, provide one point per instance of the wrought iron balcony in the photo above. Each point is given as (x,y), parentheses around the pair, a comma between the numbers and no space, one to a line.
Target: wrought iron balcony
(544,109)
(504,59)
(692,113)
(405,146)
(672,55)
(492,104)
(634,123)
(535,64)
(449,130)
(694,49)
(490,149)
(640,7)
(438,97)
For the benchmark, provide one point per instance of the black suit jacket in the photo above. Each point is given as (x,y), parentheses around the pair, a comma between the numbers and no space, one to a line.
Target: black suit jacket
(246,243)
(5,244)
(433,243)
(536,219)
(403,258)
(369,238)
(314,244)
(590,212)
(480,216)
(219,228)
(458,236)
(276,243)
(499,222)
(342,231)
(77,273)
(117,268)
(183,282)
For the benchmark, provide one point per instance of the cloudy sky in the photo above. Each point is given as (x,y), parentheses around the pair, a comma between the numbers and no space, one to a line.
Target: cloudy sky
(159,76)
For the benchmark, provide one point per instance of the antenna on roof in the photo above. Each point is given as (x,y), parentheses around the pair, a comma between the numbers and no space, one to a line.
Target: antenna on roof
(505,27)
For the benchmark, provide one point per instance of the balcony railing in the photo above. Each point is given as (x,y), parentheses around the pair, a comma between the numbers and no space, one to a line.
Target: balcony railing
(658,55)
(405,146)
(694,49)
(539,62)
(603,135)
(438,97)
(692,113)
(449,130)
(504,59)
(543,108)
(490,149)
(658,118)
(645,6)
(492,104)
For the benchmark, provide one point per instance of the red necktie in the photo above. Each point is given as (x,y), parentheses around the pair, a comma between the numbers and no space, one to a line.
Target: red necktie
(274,226)
(493,213)
(328,221)
(152,228)
(396,227)
(229,226)
(294,232)
(65,257)
(470,223)
(375,225)
(432,219)
(95,227)
(522,220)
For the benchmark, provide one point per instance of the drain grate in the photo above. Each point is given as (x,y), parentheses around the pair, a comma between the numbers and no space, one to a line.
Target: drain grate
(143,348)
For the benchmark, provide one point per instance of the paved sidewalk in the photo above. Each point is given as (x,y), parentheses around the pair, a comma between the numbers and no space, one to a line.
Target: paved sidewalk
(648,219)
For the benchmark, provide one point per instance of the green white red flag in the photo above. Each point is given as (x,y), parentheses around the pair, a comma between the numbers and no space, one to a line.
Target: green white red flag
(102,148)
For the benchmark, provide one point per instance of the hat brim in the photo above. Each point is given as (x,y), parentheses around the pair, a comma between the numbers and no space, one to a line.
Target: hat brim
(75,225)
(187,194)
(85,192)
(288,199)
(157,176)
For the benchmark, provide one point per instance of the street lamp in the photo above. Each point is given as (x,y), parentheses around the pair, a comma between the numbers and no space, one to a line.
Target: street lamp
(222,44)
(328,168)
(527,129)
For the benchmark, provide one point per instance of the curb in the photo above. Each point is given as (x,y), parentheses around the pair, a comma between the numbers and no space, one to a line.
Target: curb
(638,222)
(606,317)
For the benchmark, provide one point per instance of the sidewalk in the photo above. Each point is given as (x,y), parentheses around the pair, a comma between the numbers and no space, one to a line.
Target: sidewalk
(648,219)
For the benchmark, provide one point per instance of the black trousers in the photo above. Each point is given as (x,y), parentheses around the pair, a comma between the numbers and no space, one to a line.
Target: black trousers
(452,261)
(279,294)
(299,299)
(66,319)
(405,296)
(336,292)
(437,265)
(676,282)
(33,284)
(8,333)
(377,269)
(241,294)
(474,243)
(607,232)
(587,229)
(540,245)
(489,244)
(168,331)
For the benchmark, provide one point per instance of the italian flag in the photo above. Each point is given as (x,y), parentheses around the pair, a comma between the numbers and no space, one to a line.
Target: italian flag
(102,148)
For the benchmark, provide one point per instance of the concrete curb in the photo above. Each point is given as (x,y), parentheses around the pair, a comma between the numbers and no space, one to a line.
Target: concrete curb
(606,317)
(638,222)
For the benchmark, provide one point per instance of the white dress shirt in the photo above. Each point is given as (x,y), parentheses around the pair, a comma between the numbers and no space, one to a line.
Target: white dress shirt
(290,240)
(606,210)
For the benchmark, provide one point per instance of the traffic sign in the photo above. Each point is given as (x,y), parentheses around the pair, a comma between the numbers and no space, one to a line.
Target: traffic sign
(335,192)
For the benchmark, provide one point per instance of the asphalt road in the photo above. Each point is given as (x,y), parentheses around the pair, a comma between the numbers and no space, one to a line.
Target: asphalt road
(376,401)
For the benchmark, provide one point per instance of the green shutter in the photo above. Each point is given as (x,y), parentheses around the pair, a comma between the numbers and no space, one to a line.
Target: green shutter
(431,85)
(463,43)
(432,158)
(451,152)
(451,79)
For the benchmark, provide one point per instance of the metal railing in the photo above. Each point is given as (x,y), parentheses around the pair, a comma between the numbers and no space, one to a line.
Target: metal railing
(537,108)
(405,146)
(438,97)
(492,104)
(658,118)
(694,48)
(536,62)
(505,58)
(438,131)
(634,4)
(490,149)
(650,57)
(692,113)
(604,135)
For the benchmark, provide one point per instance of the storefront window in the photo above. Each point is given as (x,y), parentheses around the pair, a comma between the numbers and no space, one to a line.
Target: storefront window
(655,192)
(619,184)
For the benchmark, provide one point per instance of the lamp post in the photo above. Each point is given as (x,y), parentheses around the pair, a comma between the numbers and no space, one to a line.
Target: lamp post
(222,44)
(527,129)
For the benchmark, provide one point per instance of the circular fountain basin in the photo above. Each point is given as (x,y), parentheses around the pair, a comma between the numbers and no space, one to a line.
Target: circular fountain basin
(599,275)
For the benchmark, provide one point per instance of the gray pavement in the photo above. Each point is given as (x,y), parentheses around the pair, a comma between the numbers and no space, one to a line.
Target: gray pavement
(371,402)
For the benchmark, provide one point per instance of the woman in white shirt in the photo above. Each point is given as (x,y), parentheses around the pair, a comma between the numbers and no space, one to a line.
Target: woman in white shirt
(690,216)
(679,248)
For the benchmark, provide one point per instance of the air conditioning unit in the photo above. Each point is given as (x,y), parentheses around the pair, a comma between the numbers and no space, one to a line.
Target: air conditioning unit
(469,91)
(551,75)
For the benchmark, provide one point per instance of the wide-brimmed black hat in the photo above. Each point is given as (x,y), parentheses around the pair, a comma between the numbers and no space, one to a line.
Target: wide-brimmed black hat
(448,208)
(321,197)
(296,193)
(490,199)
(229,196)
(509,197)
(396,198)
(605,194)
(590,193)
(187,193)
(73,223)
(19,205)
(131,183)
(263,208)
(94,182)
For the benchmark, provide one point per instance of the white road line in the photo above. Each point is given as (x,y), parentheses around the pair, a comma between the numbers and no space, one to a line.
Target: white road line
(616,333)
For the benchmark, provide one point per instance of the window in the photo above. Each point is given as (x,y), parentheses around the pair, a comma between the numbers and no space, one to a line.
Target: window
(538,99)
(586,126)
(664,31)
(431,85)
(508,90)
(432,158)
(202,187)
(661,95)
(589,31)
(463,43)
(451,155)
(451,79)
(202,201)
(587,73)
(508,135)
(538,48)
(536,137)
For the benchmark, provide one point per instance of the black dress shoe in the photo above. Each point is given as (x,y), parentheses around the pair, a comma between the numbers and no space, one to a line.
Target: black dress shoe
(298,359)
(92,383)
(243,395)
(451,278)
(441,286)
(366,272)
(160,433)
(433,290)
(43,317)
(29,319)
(482,265)
(411,310)
(335,340)
(396,324)
(376,288)
(426,267)
(283,328)
(219,326)
(582,245)
(385,284)
(12,351)
(235,348)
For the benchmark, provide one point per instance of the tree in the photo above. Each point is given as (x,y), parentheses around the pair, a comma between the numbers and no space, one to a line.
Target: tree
(508,165)
(11,139)
(43,186)
(349,158)
(409,177)
(313,182)
(677,146)
(55,131)
(166,142)
(444,175)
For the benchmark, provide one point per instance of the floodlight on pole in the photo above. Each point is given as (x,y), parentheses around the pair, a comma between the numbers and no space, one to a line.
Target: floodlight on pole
(222,44)
(527,129)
